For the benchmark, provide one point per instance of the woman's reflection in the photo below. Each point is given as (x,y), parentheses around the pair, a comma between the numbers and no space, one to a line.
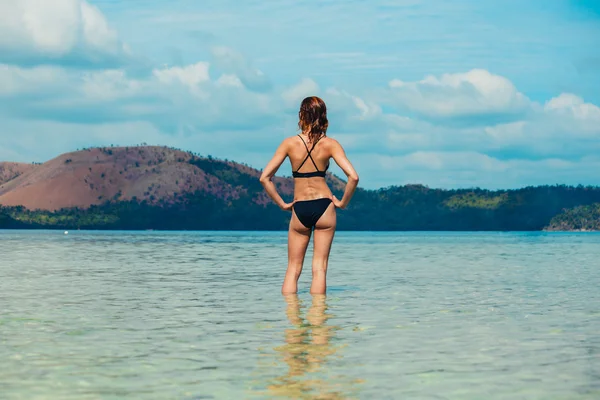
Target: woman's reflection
(306,349)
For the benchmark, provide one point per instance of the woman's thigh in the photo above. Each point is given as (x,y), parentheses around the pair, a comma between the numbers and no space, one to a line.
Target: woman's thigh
(324,233)
(298,238)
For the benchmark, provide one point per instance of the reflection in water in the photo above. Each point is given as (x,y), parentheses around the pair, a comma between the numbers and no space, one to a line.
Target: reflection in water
(306,350)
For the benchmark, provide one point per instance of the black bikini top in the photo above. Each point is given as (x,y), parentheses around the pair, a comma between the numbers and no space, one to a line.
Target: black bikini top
(297,174)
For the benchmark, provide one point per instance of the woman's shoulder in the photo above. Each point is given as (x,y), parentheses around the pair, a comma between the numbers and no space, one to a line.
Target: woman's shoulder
(330,142)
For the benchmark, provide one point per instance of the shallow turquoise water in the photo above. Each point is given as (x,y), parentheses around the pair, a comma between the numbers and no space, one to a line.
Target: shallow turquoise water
(154,315)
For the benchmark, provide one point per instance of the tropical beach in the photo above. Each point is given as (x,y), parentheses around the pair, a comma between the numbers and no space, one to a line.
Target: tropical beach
(299,200)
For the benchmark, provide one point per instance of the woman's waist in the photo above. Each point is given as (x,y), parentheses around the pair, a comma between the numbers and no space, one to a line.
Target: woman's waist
(312,195)
(311,189)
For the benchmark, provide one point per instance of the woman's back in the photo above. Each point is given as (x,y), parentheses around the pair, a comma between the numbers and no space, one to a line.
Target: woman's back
(306,156)
(309,161)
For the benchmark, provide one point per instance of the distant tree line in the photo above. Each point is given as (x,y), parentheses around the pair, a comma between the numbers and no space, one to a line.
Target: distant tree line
(397,208)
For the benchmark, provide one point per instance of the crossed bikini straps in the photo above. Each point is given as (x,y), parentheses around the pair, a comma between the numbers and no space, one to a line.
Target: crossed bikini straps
(297,174)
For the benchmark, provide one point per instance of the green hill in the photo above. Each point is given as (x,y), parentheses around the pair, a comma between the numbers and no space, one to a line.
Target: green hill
(582,218)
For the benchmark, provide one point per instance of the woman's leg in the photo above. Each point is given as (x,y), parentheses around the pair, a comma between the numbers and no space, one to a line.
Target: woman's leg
(323,236)
(298,238)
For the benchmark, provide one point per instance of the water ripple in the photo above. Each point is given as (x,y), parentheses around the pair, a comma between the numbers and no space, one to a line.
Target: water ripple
(198,315)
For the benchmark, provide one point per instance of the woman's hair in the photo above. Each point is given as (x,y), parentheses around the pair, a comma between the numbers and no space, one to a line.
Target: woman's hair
(313,118)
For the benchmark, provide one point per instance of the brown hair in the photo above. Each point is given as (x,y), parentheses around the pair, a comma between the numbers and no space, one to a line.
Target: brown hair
(313,118)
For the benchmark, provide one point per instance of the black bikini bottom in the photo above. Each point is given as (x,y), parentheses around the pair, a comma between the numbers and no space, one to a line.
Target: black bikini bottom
(309,211)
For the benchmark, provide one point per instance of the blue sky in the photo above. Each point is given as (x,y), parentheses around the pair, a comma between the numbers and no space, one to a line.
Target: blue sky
(449,94)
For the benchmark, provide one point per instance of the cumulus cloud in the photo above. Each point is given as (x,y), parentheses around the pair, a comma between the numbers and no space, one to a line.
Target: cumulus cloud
(106,85)
(233,62)
(510,126)
(475,93)
(351,106)
(59,31)
(572,109)
(565,127)
(191,75)
(198,106)
(293,95)
(19,81)
(172,98)
(229,80)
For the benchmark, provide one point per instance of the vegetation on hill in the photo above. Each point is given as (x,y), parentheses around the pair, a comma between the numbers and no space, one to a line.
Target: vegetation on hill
(198,211)
(581,218)
(416,207)
(396,208)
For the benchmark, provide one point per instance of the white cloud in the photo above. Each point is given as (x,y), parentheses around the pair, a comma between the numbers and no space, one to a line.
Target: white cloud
(353,107)
(109,85)
(96,32)
(187,107)
(191,75)
(231,61)
(572,109)
(293,95)
(474,93)
(229,80)
(450,161)
(172,98)
(564,101)
(46,26)
(69,31)
(19,81)
(566,127)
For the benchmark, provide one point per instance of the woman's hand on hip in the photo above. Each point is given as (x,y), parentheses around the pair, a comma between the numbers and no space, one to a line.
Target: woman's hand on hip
(287,206)
(337,203)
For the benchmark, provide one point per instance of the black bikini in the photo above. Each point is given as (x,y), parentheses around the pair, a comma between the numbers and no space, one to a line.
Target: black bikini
(297,174)
(309,211)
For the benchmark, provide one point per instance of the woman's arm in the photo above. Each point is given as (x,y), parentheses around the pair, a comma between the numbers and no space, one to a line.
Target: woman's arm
(270,171)
(339,156)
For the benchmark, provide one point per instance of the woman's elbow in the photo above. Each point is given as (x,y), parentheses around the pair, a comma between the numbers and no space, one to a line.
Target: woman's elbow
(264,178)
(353,178)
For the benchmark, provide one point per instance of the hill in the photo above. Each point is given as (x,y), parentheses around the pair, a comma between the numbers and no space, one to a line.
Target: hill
(582,218)
(157,175)
(11,170)
(162,188)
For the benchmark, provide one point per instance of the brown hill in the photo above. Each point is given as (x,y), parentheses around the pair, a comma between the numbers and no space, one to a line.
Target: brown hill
(151,173)
(10,170)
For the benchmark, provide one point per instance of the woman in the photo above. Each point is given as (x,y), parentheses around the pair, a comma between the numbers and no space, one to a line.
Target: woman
(314,206)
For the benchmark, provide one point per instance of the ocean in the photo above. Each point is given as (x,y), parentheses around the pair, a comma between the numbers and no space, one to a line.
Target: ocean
(199,315)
